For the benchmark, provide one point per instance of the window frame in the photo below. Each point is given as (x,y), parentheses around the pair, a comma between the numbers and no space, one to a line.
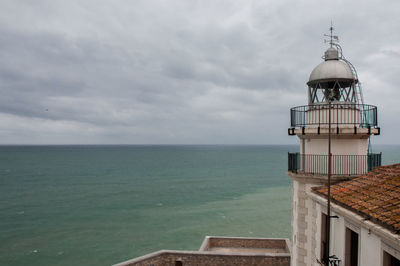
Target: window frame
(386,248)
(351,227)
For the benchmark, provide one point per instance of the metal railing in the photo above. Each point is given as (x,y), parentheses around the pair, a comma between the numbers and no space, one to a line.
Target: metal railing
(362,115)
(345,165)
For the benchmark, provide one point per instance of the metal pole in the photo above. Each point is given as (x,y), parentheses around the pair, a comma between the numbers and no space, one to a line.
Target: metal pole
(328,218)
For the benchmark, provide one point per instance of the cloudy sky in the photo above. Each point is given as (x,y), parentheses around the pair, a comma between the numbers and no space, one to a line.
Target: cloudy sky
(184,72)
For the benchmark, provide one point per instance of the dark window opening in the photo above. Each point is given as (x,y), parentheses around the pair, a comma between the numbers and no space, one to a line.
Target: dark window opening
(389,260)
(178,263)
(351,254)
(323,235)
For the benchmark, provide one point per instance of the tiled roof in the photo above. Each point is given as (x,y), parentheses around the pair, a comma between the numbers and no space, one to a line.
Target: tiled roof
(375,196)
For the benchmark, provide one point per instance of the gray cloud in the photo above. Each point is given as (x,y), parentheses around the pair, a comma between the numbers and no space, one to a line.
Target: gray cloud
(181,71)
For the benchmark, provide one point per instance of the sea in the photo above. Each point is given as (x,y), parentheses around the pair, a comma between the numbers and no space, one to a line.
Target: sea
(104,204)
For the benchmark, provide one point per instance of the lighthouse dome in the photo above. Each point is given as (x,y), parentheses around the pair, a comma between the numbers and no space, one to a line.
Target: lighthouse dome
(331,70)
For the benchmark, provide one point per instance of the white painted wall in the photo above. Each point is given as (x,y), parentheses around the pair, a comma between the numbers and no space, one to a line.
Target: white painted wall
(338,233)
(309,220)
(348,165)
(347,116)
(338,146)
(317,234)
(371,244)
(370,251)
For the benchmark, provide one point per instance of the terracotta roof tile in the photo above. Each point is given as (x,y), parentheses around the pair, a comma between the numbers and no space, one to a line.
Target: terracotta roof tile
(375,196)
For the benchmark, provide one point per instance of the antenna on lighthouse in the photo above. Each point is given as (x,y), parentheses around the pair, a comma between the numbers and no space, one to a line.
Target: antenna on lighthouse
(333,39)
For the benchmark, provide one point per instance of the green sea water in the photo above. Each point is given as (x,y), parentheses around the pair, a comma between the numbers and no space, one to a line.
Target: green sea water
(99,205)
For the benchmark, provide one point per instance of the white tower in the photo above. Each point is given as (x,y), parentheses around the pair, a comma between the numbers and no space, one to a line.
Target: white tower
(336,120)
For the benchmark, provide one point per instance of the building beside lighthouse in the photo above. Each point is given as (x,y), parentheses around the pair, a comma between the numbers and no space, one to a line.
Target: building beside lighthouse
(365,224)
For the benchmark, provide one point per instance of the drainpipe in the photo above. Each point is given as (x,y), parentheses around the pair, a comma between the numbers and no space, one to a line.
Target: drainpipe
(328,217)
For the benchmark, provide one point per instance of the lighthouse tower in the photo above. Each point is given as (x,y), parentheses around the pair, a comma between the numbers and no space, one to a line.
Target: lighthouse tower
(334,130)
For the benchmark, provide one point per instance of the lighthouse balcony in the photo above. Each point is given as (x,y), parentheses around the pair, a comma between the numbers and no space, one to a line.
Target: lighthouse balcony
(341,165)
(362,118)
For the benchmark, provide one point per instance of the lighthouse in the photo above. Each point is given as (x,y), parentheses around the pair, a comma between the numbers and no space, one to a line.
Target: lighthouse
(334,129)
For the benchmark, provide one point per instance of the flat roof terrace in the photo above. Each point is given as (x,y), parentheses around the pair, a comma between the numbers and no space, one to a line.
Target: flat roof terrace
(245,245)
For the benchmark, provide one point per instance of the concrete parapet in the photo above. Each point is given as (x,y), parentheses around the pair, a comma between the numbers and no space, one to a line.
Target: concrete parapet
(263,245)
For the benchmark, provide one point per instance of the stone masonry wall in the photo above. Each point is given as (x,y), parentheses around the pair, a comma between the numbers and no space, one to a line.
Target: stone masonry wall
(248,243)
(166,258)
(300,222)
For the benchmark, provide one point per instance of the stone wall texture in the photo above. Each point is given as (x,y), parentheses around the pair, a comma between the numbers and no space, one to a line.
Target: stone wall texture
(248,243)
(166,258)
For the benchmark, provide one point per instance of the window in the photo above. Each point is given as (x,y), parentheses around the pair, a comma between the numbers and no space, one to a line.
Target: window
(351,248)
(323,235)
(389,260)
